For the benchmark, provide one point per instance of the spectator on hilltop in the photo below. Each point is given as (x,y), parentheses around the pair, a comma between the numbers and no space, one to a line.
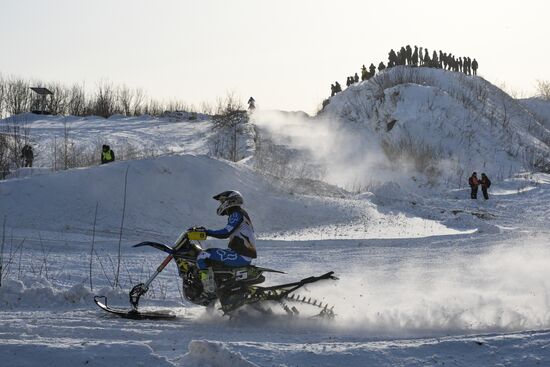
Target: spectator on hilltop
(408,54)
(392,59)
(372,70)
(251,103)
(474,66)
(364,73)
(415,56)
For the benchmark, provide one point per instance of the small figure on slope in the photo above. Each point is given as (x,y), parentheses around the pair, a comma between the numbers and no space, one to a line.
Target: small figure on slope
(474,183)
(485,184)
(107,154)
(28,155)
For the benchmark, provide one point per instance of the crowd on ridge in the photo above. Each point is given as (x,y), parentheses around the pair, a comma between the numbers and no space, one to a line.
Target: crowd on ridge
(419,56)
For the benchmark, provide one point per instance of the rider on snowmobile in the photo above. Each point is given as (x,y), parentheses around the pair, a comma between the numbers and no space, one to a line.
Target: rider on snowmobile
(241,247)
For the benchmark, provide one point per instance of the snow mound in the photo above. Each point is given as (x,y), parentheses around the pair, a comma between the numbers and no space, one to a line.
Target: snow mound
(166,195)
(441,123)
(39,292)
(204,353)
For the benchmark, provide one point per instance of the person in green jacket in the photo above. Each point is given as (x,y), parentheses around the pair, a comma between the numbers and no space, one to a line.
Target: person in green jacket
(107,154)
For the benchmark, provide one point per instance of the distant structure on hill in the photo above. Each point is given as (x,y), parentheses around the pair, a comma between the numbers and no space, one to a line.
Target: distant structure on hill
(39,105)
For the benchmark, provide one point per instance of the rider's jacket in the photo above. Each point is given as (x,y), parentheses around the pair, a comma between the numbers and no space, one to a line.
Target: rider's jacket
(240,232)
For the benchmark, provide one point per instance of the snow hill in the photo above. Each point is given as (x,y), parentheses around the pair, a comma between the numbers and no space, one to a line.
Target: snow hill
(423,122)
(460,118)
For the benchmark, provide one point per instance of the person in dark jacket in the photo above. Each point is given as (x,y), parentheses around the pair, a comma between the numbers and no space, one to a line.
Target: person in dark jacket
(107,154)
(28,155)
(474,183)
(475,65)
(251,103)
(485,184)
(372,70)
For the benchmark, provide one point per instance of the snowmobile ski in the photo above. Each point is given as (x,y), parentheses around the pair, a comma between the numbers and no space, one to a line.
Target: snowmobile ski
(132,313)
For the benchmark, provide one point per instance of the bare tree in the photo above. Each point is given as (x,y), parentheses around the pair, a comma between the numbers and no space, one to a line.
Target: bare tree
(58,102)
(4,156)
(543,89)
(17,96)
(139,97)
(228,120)
(76,104)
(105,100)
(2,96)
(125,98)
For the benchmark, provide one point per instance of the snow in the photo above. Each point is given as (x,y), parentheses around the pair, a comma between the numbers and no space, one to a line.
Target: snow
(427,276)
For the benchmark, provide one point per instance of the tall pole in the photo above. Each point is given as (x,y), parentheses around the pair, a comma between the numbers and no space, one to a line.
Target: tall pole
(2,249)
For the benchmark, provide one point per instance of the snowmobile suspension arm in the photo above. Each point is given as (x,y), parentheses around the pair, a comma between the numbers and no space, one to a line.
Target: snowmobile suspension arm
(158,271)
(142,288)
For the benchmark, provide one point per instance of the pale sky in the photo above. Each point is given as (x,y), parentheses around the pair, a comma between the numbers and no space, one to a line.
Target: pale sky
(284,53)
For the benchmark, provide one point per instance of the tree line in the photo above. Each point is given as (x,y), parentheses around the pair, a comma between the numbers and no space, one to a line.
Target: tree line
(106,100)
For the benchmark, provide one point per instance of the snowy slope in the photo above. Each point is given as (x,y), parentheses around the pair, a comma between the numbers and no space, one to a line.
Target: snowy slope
(540,108)
(457,297)
(427,275)
(436,125)
(166,195)
(464,118)
(129,137)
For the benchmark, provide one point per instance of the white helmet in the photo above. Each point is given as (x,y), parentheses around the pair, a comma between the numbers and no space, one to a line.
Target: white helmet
(228,199)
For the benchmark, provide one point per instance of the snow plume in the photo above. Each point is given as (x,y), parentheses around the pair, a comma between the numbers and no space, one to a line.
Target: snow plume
(340,154)
(506,288)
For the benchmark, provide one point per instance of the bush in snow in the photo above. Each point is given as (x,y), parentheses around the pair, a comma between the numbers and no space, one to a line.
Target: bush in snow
(234,136)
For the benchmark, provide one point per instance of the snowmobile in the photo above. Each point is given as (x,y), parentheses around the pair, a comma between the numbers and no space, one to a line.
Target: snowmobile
(235,286)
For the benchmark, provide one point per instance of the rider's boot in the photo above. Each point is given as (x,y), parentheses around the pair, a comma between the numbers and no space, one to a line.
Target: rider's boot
(207,280)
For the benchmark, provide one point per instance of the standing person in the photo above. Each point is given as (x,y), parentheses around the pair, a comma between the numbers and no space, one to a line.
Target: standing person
(107,154)
(372,70)
(364,73)
(485,184)
(474,183)
(474,66)
(356,78)
(251,103)
(28,155)
(415,56)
